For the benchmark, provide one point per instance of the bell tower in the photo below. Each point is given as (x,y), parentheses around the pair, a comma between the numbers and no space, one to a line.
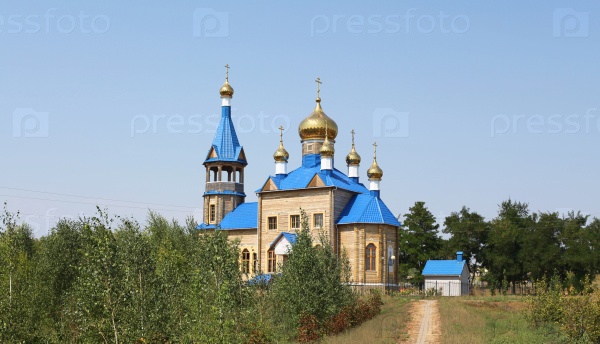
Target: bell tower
(225,163)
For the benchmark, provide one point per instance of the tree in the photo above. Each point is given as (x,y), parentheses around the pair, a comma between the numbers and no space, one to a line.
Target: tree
(469,233)
(313,281)
(18,292)
(580,245)
(418,241)
(216,300)
(172,247)
(540,248)
(503,256)
(58,261)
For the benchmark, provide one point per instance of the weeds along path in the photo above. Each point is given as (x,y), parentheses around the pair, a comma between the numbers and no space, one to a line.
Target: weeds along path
(424,326)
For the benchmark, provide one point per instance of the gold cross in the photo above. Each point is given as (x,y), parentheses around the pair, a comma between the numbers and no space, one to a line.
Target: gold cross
(318,81)
(227,72)
(280,133)
(352,137)
(374,149)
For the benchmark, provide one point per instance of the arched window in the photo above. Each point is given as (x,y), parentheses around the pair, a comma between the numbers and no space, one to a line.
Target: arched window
(245,261)
(370,254)
(272,260)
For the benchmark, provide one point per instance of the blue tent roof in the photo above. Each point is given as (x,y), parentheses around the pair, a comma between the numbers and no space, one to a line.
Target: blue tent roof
(300,177)
(290,237)
(443,267)
(366,208)
(243,217)
(225,143)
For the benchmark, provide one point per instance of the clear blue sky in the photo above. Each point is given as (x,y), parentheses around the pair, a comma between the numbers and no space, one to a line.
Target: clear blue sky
(117,101)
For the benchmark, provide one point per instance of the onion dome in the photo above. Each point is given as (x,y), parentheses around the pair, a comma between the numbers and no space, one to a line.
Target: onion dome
(226,90)
(314,126)
(353,158)
(327,148)
(281,155)
(374,172)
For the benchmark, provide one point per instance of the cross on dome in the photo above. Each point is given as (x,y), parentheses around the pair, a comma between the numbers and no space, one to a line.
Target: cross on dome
(318,81)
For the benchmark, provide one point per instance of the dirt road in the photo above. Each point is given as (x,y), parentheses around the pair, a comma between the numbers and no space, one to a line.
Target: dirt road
(424,326)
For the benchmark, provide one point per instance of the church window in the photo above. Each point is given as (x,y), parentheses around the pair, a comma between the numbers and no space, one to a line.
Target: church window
(255,262)
(272,222)
(370,257)
(318,220)
(213,213)
(295,222)
(272,261)
(245,261)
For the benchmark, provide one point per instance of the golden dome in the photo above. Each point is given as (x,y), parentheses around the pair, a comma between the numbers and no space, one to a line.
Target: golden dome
(226,89)
(314,126)
(353,158)
(327,148)
(281,155)
(374,172)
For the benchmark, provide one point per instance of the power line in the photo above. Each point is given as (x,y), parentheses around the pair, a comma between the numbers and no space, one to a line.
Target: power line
(112,205)
(88,197)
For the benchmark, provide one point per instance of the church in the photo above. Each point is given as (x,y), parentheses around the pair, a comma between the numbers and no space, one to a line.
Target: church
(354,217)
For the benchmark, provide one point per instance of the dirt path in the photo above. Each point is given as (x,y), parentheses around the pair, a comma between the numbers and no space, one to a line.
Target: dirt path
(424,326)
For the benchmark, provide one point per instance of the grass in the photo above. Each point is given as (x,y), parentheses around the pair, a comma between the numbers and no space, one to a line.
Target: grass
(387,327)
(498,319)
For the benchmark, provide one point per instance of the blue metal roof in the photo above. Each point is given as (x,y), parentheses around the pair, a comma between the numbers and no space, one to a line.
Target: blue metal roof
(443,267)
(300,177)
(205,226)
(367,208)
(245,216)
(290,237)
(225,143)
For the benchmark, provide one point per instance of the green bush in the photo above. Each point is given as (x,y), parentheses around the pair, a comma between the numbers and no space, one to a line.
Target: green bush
(576,315)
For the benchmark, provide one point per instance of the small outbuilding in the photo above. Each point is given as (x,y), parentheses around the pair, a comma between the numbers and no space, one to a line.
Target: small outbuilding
(447,277)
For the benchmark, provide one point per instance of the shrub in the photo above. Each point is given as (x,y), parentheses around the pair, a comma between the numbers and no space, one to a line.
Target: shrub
(308,328)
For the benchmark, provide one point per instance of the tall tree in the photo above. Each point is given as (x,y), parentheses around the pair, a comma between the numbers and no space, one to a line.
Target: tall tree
(580,245)
(503,256)
(469,232)
(418,241)
(172,248)
(313,281)
(58,262)
(18,320)
(540,248)
(216,295)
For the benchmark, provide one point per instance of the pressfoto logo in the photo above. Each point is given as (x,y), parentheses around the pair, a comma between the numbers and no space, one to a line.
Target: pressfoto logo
(29,123)
(210,23)
(554,124)
(390,123)
(569,23)
(408,22)
(51,22)
(197,124)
